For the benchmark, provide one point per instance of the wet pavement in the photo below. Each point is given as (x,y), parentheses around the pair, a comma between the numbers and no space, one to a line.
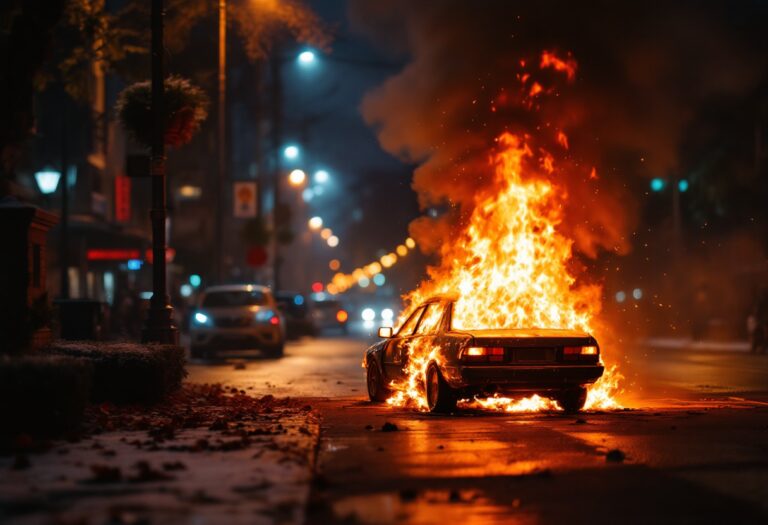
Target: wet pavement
(692,447)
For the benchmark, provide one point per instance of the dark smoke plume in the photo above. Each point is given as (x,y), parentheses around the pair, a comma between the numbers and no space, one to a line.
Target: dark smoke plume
(644,71)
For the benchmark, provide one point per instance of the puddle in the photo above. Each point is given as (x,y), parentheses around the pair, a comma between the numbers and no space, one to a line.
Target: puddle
(465,506)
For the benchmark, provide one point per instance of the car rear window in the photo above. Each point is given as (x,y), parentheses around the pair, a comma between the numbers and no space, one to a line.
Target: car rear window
(234,298)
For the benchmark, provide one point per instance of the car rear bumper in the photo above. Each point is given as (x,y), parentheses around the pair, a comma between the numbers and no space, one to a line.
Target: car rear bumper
(520,377)
(236,338)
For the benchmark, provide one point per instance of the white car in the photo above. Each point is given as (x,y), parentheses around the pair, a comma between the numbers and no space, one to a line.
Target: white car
(236,316)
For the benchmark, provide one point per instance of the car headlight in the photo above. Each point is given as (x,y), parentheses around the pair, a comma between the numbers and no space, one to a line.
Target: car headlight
(202,319)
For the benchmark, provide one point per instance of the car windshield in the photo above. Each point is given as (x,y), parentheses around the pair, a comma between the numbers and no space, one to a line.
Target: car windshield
(234,298)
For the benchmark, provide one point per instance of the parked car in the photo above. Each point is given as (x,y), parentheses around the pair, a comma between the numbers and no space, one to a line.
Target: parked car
(330,315)
(553,363)
(237,316)
(295,309)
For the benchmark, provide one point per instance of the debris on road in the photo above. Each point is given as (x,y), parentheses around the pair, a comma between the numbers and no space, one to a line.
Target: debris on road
(389,427)
(615,456)
(213,448)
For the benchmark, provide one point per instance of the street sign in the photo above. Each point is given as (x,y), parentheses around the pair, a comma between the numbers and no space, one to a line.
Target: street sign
(245,206)
(122,198)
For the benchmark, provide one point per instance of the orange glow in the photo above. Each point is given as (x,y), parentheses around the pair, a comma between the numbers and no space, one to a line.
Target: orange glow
(593,174)
(342,316)
(535,89)
(562,139)
(568,66)
(511,267)
(334,265)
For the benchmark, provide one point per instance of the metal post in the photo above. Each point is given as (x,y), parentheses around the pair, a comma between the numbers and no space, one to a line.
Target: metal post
(222,139)
(277,142)
(64,223)
(159,327)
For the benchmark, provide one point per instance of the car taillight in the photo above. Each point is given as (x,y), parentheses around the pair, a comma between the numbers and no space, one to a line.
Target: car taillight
(578,352)
(342,316)
(482,354)
(274,320)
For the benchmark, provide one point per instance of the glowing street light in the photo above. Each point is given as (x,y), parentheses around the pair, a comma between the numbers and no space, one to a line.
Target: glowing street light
(321,176)
(658,184)
(306,58)
(47,181)
(315,223)
(326,233)
(297,177)
(291,152)
(333,241)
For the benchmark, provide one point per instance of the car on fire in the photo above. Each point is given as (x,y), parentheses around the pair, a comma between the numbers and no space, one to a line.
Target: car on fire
(236,317)
(554,363)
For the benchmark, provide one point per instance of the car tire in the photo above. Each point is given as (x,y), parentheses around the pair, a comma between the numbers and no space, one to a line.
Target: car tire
(572,400)
(275,351)
(440,397)
(378,391)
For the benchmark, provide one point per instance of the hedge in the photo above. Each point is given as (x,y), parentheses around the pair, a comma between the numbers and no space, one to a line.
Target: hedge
(128,372)
(42,395)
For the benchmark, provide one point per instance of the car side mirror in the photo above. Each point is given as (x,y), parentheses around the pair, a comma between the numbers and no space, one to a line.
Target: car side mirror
(385,332)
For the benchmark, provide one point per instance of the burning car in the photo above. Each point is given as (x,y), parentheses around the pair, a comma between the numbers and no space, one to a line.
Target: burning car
(457,363)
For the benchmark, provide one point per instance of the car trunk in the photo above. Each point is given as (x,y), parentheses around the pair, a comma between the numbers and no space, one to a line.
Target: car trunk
(529,346)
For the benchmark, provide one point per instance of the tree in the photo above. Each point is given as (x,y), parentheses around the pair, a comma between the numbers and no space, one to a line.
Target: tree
(43,41)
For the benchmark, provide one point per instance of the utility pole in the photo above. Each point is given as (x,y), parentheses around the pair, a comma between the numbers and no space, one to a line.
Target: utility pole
(277,142)
(222,139)
(159,327)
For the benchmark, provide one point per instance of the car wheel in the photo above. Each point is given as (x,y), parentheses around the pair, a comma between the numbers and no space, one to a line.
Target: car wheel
(275,351)
(377,390)
(440,397)
(572,400)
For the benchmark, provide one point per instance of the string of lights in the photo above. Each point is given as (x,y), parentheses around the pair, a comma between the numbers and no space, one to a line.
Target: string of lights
(363,275)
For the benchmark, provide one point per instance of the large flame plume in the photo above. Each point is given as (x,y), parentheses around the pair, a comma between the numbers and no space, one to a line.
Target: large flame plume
(511,265)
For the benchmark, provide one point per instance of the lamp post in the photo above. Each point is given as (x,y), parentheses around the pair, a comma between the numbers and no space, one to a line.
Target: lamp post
(159,327)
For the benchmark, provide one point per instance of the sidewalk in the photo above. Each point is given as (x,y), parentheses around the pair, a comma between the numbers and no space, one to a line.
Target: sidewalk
(207,456)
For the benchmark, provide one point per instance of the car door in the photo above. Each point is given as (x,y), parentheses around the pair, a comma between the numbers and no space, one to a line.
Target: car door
(427,333)
(397,346)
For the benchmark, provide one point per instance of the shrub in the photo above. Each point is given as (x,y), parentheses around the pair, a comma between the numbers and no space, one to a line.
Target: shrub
(185,108)
(42,395)
(128,372)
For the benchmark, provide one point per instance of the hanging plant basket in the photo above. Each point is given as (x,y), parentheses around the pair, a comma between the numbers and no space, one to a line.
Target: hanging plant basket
(186,107)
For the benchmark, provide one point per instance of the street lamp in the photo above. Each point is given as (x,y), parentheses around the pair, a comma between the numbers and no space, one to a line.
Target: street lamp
(333,241)
(47,181)
(297,177)
(159,326)
(306,58)
(315,223)
(291,152)
(321,176)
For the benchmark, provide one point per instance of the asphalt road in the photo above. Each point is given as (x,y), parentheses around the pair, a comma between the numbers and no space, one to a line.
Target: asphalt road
(691,447)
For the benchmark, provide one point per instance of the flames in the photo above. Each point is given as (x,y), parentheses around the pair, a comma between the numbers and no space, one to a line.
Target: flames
(512,267)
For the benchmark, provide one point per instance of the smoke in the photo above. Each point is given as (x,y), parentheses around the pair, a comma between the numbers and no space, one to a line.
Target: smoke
(643,74)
